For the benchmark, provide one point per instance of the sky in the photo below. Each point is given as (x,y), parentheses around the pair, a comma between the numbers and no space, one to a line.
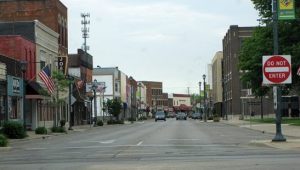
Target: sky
(171,41)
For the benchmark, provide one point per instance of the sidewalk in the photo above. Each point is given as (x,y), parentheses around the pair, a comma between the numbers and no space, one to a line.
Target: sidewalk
(291,133)
(80,128)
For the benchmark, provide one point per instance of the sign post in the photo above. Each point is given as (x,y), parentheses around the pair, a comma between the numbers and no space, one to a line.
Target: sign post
(277,71)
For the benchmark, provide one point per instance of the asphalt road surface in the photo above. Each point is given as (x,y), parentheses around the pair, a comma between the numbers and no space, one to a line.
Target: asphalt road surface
(152,145)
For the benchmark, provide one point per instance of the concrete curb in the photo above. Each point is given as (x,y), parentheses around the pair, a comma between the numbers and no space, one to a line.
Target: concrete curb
(291,144)
(5,148)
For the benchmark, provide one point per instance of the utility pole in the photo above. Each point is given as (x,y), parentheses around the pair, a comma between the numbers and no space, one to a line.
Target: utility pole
(278,137)
(85,30)
(200,96)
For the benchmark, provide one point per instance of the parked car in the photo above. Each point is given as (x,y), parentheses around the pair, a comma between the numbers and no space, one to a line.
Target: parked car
(181,116)
(196,116)
(160,116)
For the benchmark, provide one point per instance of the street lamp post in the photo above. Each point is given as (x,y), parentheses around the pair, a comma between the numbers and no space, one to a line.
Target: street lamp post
(72,116)
(200,96)
(204,101)
(23,65)
(91,99)
(140,89)
(94,87)
(279,136)
(103,90)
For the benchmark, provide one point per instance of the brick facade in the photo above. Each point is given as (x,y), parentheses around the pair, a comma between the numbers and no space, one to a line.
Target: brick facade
(52,13)
(19,48)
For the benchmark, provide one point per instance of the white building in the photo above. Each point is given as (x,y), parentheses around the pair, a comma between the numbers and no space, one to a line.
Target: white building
(114,82)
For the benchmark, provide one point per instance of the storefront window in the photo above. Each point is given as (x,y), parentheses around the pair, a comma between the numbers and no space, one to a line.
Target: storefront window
(14,107)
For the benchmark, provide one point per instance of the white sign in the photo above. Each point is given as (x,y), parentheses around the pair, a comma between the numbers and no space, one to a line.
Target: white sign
(277,69)
(275,97)
(100,87)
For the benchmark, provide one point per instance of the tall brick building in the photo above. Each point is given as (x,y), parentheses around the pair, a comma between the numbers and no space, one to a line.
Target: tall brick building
(237,96)
(52,13)
(155,97)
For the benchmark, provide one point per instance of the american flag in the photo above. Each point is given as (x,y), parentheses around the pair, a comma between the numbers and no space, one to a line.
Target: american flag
(45,75)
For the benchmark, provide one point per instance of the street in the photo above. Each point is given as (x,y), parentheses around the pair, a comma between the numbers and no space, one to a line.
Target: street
(151,145)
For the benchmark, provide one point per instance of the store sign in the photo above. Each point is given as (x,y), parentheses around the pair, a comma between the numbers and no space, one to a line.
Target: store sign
(62,64)
(15,86)
(286,9)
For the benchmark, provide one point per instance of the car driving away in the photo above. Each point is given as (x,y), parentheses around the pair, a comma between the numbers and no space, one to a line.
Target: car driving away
(181,116)
(160,116)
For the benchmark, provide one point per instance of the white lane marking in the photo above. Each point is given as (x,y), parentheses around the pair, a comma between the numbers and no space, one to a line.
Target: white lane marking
(107,142)
(114,146)
(184,139)
(141,142)
(131,154)
(35,149)
(93,141)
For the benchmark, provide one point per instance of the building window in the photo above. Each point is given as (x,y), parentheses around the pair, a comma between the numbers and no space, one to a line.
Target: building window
(116,87)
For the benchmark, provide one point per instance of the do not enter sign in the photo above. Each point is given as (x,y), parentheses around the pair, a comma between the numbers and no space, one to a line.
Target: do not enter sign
(277,69)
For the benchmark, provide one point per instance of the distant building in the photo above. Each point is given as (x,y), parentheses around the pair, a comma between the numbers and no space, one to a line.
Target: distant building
(116,85)
(154,95)
(217,91)
(80,66)
(142,96)
(182,102)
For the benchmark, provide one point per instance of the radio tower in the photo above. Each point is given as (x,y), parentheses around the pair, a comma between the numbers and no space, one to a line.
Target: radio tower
(85,30)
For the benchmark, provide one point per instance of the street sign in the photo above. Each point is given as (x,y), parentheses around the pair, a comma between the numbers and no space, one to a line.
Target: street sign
(298,71)
(275,97)
(277,69)
(286,9)
(73,99)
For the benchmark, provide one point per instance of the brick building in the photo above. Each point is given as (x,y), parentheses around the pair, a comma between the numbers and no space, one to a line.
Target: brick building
(19,48)
(80,66)
(154,95)
(237,96)
(52,13)
(231,74)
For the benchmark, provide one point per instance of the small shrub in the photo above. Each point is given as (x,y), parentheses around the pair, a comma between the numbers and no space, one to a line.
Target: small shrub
(3,141)
(112,122)
(210,118)
(99,123)
(143,118)
(14,130)
(41,130)
(119,122)
(131,119)
(58,130)
(62,123)
(216,119)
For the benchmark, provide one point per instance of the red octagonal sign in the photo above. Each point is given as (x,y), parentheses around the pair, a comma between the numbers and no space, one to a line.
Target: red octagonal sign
(277,69)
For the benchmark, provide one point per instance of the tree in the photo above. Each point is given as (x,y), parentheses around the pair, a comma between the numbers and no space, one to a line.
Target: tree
(61,83)
(261,43)
(114,107)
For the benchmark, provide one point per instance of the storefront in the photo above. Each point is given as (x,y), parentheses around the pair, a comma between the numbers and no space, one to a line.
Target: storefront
(15,93)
